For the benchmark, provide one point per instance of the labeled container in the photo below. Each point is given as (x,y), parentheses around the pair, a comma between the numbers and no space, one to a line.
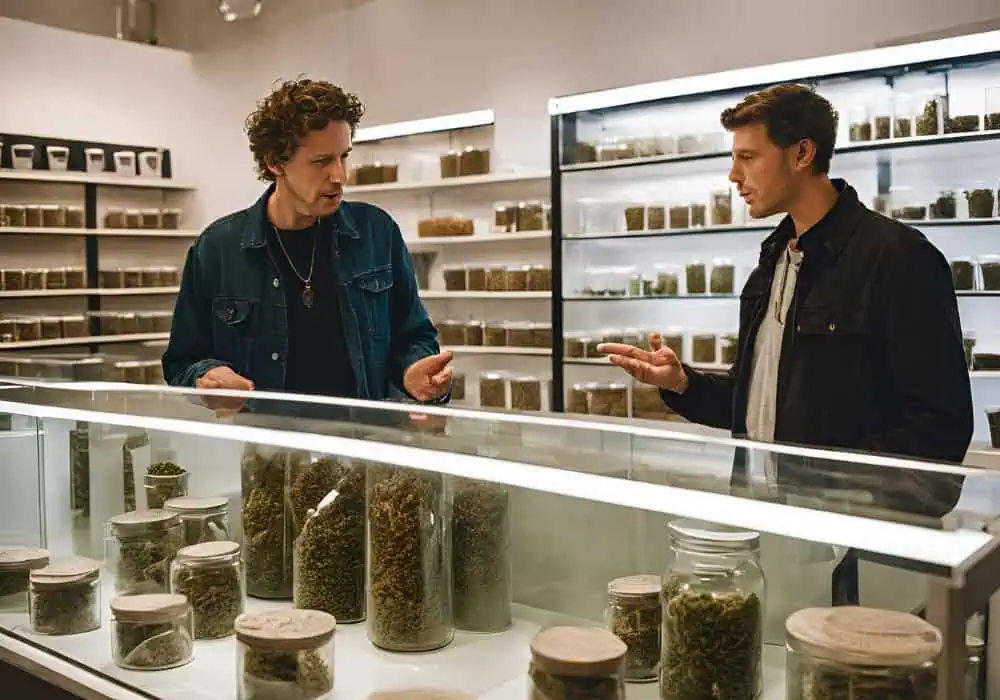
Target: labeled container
(633,614)
(151,632)
(65,598)
(125,162)
(409,604)
(210,576)
(855,652)
(204,518)
(140,547)
(481,561)
(713,600)
(163,480)
(16,565)
(285,655)
(577,662)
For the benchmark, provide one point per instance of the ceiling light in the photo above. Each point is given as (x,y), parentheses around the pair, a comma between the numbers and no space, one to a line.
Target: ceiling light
(233,10)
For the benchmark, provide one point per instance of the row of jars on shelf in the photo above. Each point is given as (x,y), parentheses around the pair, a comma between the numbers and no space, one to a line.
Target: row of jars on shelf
(91,368)
(706,348)
(511,217)
(25,156)
(32,328)
(139,277)
(906,203)
(979,274)
(56,278)
(496,334)
(664,281)
(513,392)
(147,218)
(662,144)
(898,117)
(41,216)
(497,278)
(454,163)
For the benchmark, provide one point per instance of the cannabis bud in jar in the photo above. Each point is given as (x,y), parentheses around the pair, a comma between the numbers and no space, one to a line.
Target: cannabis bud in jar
(634,616)
(142,546)
(285,655)
(65,598)
(573,663)
(210,576)
(481,556)
(151,632)
(163,481)
(16,565)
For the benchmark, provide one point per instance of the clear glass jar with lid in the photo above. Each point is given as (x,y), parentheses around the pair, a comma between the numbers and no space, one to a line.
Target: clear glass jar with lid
(141,545)
(577,662)
(285,654)
(854,652)
(634,614)
(989,272)
(65,598)
(210,576)
(16,565)
(981,201)
(974,647)
(205,518)
(713,600)
(151,632)
(163,481)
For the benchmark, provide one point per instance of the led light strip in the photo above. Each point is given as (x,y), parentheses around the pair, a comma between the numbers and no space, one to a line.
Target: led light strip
(839,64)
(448,122)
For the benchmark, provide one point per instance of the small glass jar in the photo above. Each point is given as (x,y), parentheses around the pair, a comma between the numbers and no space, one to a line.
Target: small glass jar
(526,394)
(989,271)
(34,279)
(170,276)
(474,161)
(458,386)
(541,335)
(16,565)
(728,349)
(285,655)
(576,399)
(667,281)
(473,336)
(722,208)
(16,215)
(608,399)
(903,125)
(696,278)
(635,217)
(53,216)
(496,278)
(963,274)
(28,328)
(149,218)
(703,349)
(114,217)
(481,563)
(969,344)
(33,215)
(656,217)
(540,278)
(933,116)
(504,217)
(65,598)
(151,632)
(855,652)
(982,201)
(133,277)
(210,576)
(680,216)
(713,600)
(170,218)
(723,279)
(493,390)
(476,278)
(577,662)
(55,278)
(519,334)
(673,338)
(451,332)
(205,518)
(495,334)
(75,326)
(140,548)
(517,278)
(633,614)
(133,218)
(860,127)
(455,278)
(945,205)
(163,480)
(530,216)
(51,327)
(74,217)
(647,404)
(699,215)
(574,346)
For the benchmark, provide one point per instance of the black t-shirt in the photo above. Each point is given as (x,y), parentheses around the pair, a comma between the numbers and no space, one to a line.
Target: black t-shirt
(318,362)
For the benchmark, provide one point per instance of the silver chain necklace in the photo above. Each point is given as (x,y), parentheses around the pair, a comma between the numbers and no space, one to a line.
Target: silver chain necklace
(308,297)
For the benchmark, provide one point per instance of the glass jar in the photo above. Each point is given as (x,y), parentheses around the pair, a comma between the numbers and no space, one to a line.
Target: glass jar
(981,200)
(481,564)
(728,349)
(854,652)
(210,576)
(696,278)
(989,270)
(33,215)
(270,501)
(53,216)
(635,283)
(526,393)
(458,386)
(151,632)
(141,545)
(454,278)
(577,662)
(35,279)
(496,278)
(723,280)
(285,655)
(576,399)
(680,216)
(541,335)
(530,216)
(703,349)
(673,338)
(945,205)
(656,217)
(65,598)
(963,274)
(633,614)
(133,218)
(540,278)
(495,334)
(330,555)
(163,480)
(647,404)
(713,599)
(517,278)
(860,127)
(608,399)
(974,648)
(504,217)
(409,605)
(667,281)
(133,277)
(205,518)
(903,119)
(476,278)
(114,217)
(520,334)
(451,332)
(16,565)
(473,336)
(906,205)
(574,345)
(449,164)
(969,344)
(722,208)
(699,214)
(933,116)
(474,161)
(492,390)
(635,217)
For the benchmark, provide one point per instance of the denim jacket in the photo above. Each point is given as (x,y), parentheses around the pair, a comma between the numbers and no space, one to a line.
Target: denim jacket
(231,307)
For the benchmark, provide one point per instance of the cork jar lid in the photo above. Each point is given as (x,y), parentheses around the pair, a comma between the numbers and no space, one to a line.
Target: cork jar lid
(150,608)
(864,636)
(196,504)
(208,550)
(287,630)
(23,558)
(138,522)
(67,574)
(420,694)
(637,587)
(578,651)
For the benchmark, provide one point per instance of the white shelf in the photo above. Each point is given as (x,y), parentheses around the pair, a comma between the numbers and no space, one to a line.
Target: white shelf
(492,350)
(87,340)
(450,183)
(104,179)
(133,232)
(666,233)
(439,294)
(605,362)
(433,243)
(137,291)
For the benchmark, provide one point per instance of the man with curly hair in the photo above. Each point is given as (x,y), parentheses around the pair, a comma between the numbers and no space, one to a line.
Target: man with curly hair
(304,292)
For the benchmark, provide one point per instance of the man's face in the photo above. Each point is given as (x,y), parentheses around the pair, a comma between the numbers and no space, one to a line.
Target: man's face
(764,173)
(316,173)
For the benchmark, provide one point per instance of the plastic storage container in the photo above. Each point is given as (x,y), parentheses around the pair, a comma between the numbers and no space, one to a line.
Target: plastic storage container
(16,565)
(633,614)
(481,564)
(526,393)
(713,600)
(65,598)
(210,576)
(409,601)
(151,632)
(140,548)
(205,518)
(285,655)
(163,480)
(577,662)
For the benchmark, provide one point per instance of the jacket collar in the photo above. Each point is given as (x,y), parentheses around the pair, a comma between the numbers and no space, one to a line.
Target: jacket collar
(830,234)
(255,227)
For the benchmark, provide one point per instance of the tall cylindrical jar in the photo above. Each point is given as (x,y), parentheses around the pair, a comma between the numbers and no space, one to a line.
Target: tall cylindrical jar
(713,599)
(285,654)
(409,559)
(634,616)
(481,569)
(140,548)
(330,553)
(577,662)
(205,518)
(65,598)
(16,565)
(210,576)
(151,632)
(851,652)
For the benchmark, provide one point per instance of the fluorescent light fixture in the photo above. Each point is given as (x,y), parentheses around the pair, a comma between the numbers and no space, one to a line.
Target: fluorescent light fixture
(839,64)
(448,122)
(233,10)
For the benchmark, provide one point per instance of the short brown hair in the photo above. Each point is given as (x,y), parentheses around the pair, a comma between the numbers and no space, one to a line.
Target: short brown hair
(292,110)
(790,113)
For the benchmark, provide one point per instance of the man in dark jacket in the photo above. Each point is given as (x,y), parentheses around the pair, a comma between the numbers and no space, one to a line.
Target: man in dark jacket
(303,292)
(849,329)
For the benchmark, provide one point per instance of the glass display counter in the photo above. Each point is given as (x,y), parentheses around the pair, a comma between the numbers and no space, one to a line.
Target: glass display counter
(460,534)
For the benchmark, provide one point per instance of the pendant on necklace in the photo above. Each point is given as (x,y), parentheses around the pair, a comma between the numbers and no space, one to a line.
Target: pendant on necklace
(307,296)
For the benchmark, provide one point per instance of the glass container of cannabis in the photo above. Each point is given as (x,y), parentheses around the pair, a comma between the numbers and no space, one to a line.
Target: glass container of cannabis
(409,559)
(205,518)
(140,548)
(330,554)
(16,565)
(860,653)
(285,655)
(151,632)
(65,598)
(210,576)
(481,568)
(713,599)
(163,481)
(633,614)
(577,662)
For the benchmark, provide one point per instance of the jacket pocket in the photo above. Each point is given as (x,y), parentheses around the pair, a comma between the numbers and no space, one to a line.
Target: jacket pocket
(232,321)
(376,298)
(832,321)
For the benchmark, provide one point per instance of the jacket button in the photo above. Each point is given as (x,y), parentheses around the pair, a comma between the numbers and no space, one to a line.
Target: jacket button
(229,313)
(274,356)
(831,326)
(276,283)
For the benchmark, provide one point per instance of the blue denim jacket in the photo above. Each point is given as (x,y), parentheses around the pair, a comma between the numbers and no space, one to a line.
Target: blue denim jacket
(231,307)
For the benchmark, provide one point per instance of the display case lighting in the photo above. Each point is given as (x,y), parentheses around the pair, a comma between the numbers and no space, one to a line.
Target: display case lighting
(838,64)
(448,122)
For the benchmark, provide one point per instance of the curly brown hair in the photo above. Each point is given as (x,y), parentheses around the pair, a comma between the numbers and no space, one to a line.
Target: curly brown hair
(294,109)
(790,113)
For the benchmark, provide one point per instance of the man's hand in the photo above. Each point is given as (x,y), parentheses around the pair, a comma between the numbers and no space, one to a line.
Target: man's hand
(223,378)
(428,378)
(658,367)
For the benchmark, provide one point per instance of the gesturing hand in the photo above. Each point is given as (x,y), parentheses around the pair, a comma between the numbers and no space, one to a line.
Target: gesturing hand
(658,367)
(428,378)
(226,379)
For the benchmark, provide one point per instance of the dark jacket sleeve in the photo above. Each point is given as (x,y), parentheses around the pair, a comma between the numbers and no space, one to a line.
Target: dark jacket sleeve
(927,364)
(708,399)
(189,352)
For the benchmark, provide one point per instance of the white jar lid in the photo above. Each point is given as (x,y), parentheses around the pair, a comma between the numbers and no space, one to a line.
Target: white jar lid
(23,558)
(150,608)
(290,630)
